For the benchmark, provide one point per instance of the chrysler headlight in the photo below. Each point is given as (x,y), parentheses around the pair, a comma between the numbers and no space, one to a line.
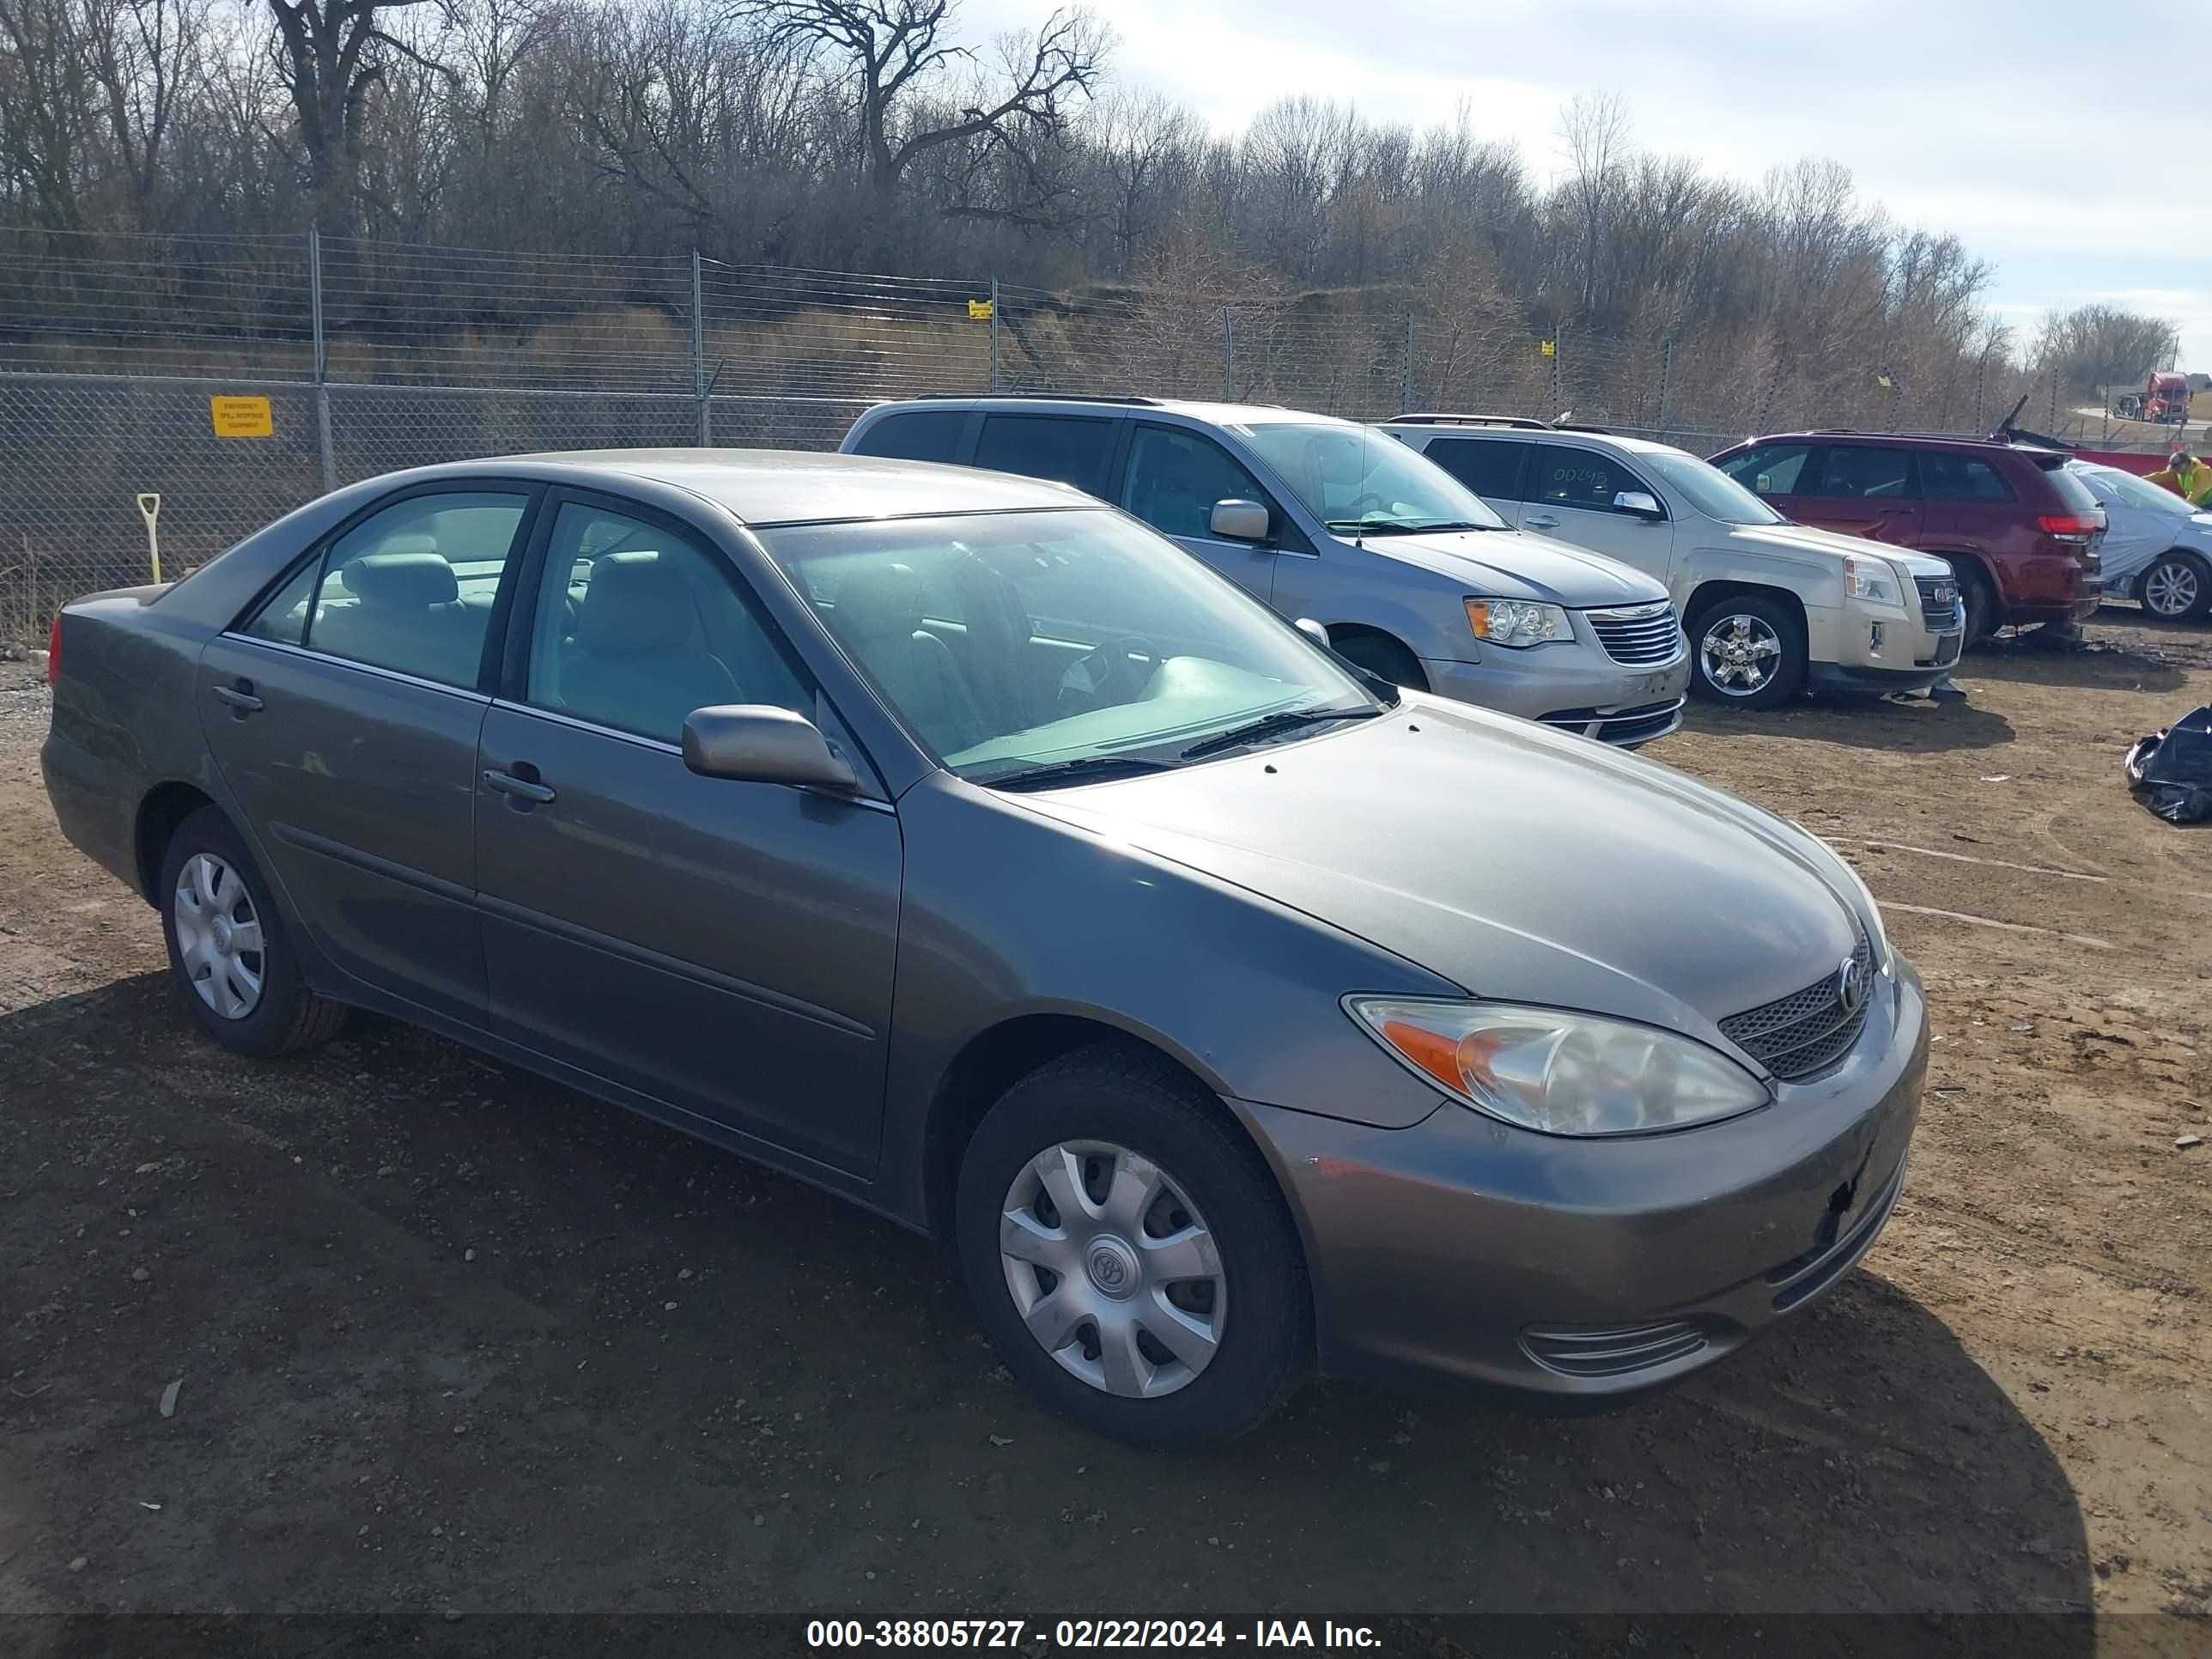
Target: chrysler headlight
(1557,1073)
(1517,622)
(1871,581)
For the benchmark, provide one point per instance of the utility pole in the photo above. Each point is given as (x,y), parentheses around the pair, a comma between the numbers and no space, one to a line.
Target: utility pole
(995,334)
(325,442)
(700,388)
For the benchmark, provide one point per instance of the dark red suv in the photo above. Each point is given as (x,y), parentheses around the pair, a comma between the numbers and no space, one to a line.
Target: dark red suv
(2021,531)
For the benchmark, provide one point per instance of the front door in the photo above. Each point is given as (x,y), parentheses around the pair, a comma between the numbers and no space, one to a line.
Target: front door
(1568,494)
(344,714)
(1174,478)
(725,947)
(1863,490)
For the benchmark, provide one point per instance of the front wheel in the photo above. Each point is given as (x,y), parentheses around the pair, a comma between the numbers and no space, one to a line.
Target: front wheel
(1129,1255)
(1750,650)
(2176,588)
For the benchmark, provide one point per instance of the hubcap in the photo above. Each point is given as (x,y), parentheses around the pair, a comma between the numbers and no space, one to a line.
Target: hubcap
(2170,589)
(219,936)
(1113,1269)
(1741,654)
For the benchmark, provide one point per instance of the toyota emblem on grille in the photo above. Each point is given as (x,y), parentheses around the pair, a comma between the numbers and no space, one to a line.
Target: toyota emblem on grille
(1851,986)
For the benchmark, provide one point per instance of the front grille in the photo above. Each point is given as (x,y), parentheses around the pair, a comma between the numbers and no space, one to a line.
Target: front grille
(1809,1031)
(1615,1352)
(1637,634)
(1639,724)
(1939,603)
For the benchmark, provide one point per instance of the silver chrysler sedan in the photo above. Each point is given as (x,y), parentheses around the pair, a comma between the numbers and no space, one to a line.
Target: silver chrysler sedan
(954,842)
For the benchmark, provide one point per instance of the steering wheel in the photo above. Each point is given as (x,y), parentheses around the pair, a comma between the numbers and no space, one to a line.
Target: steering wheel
(1104,674)
(1366,498)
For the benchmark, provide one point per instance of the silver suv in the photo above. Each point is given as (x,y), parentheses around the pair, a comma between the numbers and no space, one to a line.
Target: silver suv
(1415,579)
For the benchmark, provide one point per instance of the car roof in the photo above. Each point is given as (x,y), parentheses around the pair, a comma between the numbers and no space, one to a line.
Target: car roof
(1217,413)
(1492,427)
(764,487)
(1901,439)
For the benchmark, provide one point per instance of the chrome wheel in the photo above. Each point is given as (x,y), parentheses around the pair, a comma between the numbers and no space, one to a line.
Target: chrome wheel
(2171,588)
(1112,1269)
(219,936)
(1740,653)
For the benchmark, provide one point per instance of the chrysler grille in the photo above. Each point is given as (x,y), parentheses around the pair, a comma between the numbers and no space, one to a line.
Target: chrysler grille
(1637,635)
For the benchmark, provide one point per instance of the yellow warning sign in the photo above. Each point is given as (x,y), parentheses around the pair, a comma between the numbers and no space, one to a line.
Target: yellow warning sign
(979,311)
(1551,348)
(241,418)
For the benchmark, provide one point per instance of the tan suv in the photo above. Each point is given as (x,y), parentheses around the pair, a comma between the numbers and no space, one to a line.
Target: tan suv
(1771,607)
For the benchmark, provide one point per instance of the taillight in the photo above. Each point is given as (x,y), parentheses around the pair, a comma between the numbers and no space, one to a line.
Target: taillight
(54,650)
(2067,524)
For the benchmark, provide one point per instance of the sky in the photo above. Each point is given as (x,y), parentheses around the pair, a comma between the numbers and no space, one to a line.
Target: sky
(2067,145)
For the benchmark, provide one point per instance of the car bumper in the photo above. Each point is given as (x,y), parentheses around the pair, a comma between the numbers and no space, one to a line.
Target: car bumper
(1579,690)
(1463,1250)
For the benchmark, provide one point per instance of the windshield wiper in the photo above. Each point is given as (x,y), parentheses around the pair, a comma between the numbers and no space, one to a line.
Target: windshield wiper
(1407,527)
(1090,768)
(1287,720)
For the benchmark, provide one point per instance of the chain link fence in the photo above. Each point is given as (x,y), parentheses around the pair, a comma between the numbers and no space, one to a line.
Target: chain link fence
(376,356)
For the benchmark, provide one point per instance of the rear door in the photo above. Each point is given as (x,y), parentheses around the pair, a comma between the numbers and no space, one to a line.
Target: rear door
(344,712)
(1567,494)
(1865,489)
(1174,479)
(726,948)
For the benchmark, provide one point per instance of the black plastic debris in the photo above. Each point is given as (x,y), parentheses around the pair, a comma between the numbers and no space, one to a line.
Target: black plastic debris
(2170,771)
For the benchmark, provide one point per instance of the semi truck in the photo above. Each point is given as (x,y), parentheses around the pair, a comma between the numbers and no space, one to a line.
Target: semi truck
(2164,399)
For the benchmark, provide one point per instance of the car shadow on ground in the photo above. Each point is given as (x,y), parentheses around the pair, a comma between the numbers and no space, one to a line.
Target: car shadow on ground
(453,1337)
(1895,724)
(2097,663)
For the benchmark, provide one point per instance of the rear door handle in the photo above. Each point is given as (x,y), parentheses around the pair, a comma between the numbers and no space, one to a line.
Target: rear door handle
(508,784)
(239,696)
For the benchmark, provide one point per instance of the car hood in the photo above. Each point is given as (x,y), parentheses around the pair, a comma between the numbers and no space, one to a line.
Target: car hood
(1804,538)
(1518,862)
(1496,564)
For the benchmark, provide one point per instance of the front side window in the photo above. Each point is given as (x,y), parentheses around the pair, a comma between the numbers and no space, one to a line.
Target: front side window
(1708,489)
(638,624)
(1860,471)
(1771,469)
(1176,477)
(1359,482)
(1090,642)
(1562,476)
(410,587)
(1070,449)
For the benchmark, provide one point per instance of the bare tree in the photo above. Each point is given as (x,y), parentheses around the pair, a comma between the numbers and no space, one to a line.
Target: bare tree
(2095,347)
(333,54)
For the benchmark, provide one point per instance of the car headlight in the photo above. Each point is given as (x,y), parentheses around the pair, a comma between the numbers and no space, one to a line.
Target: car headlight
(1517,622)
(1865,579)
(1557,1073)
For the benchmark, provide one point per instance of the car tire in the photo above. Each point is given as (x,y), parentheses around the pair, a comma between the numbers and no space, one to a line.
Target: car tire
(229,950)
(1383,657)
(2176,587)
(1101,1126)
(1981,606)
(1769,631)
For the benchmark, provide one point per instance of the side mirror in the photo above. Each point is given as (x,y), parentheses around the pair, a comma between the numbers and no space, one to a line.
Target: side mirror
(1313,631)
(757,743)
(1642,504)
(1240,522)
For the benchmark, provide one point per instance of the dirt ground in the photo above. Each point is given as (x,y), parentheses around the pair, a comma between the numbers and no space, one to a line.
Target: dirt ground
(453,1339)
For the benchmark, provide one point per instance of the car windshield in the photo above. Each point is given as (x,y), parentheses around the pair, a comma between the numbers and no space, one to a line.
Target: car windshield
(1360,481)
(1057,645)
(2129,490)
(1708,489)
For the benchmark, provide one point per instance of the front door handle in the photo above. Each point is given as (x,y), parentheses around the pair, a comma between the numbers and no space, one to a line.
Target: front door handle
(239,696)
(526,788)
(1539,521)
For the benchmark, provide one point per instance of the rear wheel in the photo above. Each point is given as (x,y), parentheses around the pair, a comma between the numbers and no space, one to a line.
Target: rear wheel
(228,951)
(1749,651)
(1981,606)
(2176,587)
(1128,1253)
(1382,656)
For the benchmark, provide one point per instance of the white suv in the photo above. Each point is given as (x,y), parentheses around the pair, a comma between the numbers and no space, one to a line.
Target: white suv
(1771,607)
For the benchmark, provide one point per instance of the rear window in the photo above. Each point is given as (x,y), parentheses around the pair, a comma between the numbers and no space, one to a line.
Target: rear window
(1071,450)
(927,434)
(2077,496)
(1487,467)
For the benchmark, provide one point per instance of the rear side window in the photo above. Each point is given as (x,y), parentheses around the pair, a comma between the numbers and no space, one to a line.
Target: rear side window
(1961,478)
(1560,477)
(926,435)
(283,618)
(1488,467)
(2077,496)
(410,587)
(1771,469)
(1863,472)
(1070,449)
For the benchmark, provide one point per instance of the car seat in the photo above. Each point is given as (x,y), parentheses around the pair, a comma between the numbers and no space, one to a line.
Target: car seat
(878,615)
(639,662)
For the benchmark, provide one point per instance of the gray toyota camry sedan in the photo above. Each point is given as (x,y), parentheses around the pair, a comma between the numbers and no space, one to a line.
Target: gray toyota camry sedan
(955,842)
